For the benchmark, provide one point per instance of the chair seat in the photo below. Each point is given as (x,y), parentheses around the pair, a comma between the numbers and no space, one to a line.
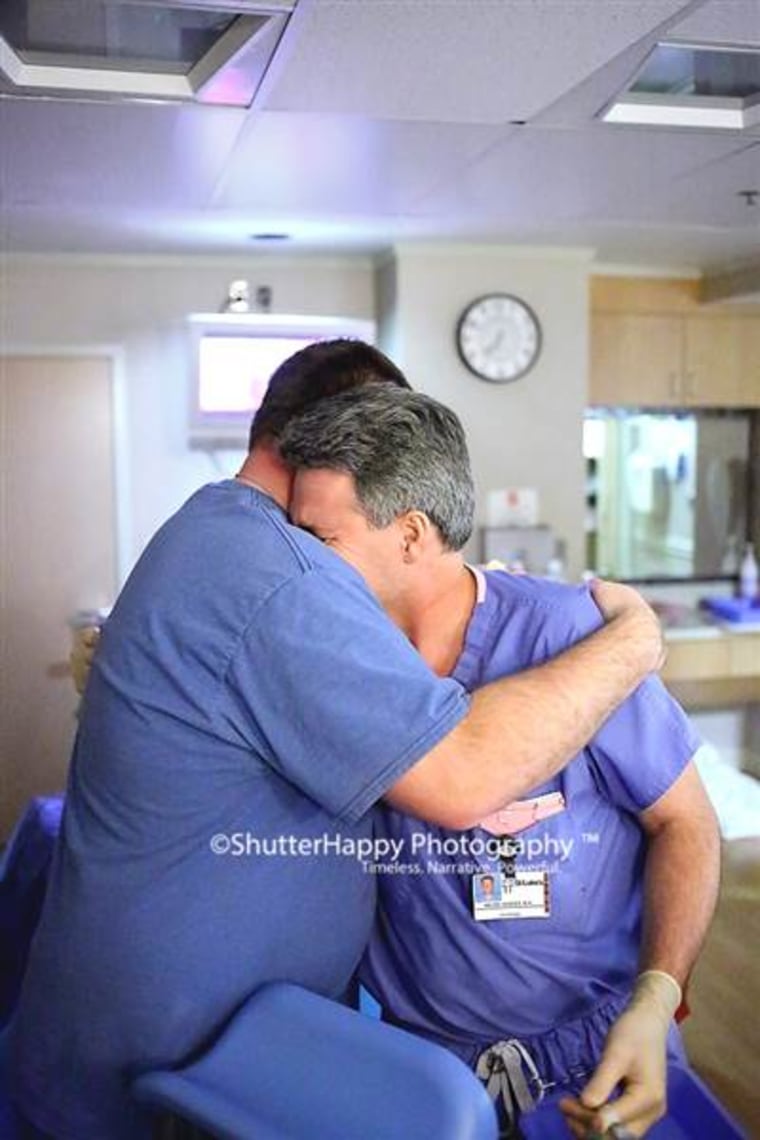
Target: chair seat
(24,867)
(291,1065)
(9,1122)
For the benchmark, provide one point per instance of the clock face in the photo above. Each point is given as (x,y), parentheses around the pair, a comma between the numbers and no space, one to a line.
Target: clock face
(498,337)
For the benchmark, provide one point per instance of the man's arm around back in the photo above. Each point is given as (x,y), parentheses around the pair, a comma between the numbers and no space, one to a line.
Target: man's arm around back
(523,729)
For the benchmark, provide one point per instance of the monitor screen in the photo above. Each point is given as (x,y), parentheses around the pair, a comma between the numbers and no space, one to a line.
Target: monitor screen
(233,358)
(233,371)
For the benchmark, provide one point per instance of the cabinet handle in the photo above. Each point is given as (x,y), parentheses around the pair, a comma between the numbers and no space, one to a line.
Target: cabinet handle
(688,388)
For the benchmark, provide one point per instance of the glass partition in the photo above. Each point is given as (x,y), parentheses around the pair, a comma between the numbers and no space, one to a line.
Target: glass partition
(666,494)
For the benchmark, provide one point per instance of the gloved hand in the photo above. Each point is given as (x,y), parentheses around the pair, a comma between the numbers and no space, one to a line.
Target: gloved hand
(82,653)
(634,1056)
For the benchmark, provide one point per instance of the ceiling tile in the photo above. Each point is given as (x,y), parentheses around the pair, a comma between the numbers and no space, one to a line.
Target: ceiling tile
(77,153)
(447,61)
(604,172)
(395,127)
(337,163)
(722,22)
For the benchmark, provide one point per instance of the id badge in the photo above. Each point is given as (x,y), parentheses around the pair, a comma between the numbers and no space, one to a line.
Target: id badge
(522,895)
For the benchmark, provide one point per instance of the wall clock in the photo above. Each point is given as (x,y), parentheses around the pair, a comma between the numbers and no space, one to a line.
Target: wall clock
(498,337)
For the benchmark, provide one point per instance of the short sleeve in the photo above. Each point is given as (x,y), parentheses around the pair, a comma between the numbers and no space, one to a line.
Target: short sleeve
(644,746)
(642,749)
(334,695)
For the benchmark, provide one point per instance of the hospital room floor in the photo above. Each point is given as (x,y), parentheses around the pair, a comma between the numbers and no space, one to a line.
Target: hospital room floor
(723,1032)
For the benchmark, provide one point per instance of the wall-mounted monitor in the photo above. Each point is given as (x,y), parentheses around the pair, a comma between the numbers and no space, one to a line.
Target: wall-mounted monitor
(233,356)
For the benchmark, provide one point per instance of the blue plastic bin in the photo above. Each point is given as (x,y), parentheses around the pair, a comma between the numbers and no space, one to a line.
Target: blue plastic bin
(738,611)
(693,1114)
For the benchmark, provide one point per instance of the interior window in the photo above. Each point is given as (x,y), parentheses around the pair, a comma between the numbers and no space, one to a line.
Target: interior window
(666,494)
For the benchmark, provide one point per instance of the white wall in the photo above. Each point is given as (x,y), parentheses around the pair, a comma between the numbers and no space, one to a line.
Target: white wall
(141,304)
(527,433)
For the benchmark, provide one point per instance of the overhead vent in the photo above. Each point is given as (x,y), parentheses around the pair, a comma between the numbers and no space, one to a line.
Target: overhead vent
(693,85)
(207,52)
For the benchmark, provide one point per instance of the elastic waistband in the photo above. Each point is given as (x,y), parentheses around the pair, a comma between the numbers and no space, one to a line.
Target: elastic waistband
(566,1056)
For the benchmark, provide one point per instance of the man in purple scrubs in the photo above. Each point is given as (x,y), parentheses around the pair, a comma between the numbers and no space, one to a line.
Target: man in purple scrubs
(248,685)
(607,870)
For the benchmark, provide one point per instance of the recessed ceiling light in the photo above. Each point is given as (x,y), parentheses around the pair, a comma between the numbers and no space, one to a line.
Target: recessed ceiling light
(216,52)
(692,85)
(648,113)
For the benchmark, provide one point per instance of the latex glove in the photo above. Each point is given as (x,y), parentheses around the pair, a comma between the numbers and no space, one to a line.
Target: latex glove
(634,1057)
(82,652)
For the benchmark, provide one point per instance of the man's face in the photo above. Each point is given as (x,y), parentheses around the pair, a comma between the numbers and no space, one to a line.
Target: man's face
(324,503)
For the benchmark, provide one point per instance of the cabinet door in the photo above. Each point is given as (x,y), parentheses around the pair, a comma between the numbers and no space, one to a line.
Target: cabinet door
(749,363)
(636,359)
(712,361)
(697,659)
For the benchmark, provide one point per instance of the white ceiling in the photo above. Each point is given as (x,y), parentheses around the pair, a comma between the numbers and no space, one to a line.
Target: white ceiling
(389,120)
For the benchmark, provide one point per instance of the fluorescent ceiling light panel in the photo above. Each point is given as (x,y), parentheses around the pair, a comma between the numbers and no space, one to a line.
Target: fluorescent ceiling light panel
(692,85)
(673,114)
(216,53)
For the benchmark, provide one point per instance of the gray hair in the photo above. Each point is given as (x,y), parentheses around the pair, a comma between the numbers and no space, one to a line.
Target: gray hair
(405,451)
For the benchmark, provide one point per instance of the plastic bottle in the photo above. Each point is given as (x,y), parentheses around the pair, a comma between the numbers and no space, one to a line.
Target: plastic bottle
(730,561)
(555,569)
(748,574)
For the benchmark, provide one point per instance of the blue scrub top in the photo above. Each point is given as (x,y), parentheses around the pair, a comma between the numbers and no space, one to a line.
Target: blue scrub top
(468,984)
(247,687)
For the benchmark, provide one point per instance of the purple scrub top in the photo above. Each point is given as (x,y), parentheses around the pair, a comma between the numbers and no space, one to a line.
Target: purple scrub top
(467,984)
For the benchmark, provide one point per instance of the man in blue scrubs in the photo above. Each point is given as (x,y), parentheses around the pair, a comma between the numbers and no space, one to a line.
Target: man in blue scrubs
(248,706)
(607,870)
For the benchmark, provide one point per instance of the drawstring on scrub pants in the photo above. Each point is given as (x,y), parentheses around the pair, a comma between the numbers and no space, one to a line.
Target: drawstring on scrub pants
(500,1066)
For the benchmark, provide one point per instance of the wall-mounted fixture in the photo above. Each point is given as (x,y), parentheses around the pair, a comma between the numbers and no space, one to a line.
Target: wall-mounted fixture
(231,358)
(238,298)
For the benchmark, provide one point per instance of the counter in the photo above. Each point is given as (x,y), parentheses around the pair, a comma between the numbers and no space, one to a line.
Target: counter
(711,665)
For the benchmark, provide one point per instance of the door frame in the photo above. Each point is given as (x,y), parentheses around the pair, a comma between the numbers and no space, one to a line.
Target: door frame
(119,436)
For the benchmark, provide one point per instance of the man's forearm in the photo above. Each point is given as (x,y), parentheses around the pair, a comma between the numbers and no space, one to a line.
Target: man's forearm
(549,713)
(523,729)
(681,890)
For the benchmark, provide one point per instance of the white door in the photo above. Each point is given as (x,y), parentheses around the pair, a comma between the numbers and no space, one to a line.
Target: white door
(57,555)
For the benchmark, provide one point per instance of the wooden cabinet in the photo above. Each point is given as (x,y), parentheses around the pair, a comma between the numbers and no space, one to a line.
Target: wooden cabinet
(714,672)
(712,658)
(720,357)
(749,352)
(697,659)
(635,359)
(680,358)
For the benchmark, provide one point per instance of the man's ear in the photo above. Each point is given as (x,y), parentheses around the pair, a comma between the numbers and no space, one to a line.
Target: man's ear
(416,532)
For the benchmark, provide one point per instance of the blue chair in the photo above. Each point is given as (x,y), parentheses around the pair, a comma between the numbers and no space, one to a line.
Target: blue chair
(291,1065)
(24,867)
(9,1124)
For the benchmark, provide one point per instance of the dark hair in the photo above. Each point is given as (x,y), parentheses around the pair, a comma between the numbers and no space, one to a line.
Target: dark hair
(405,451)
(319,370)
